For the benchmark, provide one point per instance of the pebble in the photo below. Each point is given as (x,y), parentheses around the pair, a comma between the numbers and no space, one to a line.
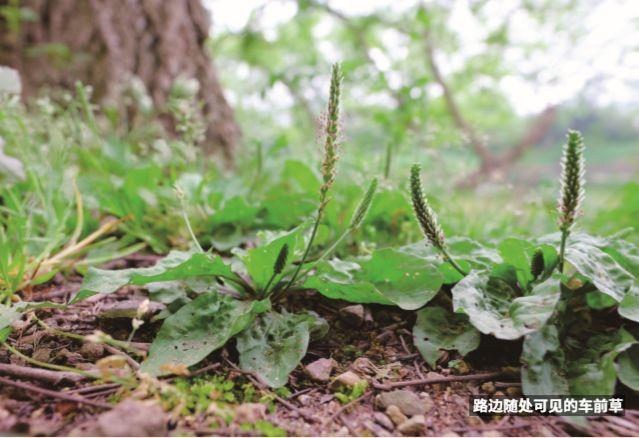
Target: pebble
(304,399)
(353,315)
(488,387)
(396,415)
(383,420)
(348,378)
(475,421)
(413,426)
(513,391)
(320,370)
(128,418)
(374,428)
(250,413)
(407,401)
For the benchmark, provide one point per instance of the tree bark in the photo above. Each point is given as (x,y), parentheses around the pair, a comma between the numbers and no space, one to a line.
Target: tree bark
(104,43)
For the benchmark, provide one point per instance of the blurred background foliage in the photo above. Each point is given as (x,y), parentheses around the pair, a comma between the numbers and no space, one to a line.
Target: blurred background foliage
(456,86)
(502,62)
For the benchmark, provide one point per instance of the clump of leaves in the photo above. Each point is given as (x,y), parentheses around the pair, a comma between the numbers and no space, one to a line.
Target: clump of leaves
(541,290)
(228,302)
(347,394)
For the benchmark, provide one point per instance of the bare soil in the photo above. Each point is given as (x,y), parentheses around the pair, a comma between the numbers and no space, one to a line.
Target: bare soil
(379,350)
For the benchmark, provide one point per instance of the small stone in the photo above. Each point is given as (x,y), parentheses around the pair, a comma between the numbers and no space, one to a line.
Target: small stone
(488,387)
(374,428)
(491,433)
(513,391)
(43,354)
(128,418)
(407,401)
(92,351)
(474,421)
(396,415)
(413,426)
(449,433)
(320,370)
(250,413)
(304,399)
(383,420)
(70,357)
(343,431)
(348,378)
(353,315)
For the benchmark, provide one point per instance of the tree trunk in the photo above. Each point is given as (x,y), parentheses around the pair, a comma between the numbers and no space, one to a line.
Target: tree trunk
(104,43)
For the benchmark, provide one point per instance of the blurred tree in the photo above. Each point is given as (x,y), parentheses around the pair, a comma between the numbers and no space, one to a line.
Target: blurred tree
(106,43)
(417,78)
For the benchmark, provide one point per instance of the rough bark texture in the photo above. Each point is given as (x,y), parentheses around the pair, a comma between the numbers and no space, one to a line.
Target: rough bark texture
(110,40)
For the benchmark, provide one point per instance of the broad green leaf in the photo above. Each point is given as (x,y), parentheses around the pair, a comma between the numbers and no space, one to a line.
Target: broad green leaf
(542,371)
(406,281)
(259,261)
(303,177)
(518,253)
(598,300)
(591,368)
(629,306)
(387,277)
(178,265)
(235,211)
(599,268)
(275,343)
(628,367)
(498,308)
(338,280)
(468,253)
(624,253)
(437,329)
(197,329)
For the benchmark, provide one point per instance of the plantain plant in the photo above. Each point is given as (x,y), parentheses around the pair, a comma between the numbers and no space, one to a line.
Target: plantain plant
(548,291)
(217,301)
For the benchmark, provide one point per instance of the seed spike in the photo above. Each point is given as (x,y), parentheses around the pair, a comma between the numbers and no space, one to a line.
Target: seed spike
(572,188)
(572,181)
(364,206)
(331,134)
(537,264)
(329,160)
(280,263)
(423,212)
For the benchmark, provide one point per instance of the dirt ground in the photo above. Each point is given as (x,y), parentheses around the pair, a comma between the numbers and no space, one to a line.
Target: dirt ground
(373,343)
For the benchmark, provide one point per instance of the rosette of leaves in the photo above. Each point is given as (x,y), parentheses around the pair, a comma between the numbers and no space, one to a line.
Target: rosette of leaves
(217,301)
(547,290)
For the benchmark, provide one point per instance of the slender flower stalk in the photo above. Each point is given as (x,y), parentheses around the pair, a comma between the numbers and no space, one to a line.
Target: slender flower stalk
(329,161)
(572,188)
(356,221)
(428,219)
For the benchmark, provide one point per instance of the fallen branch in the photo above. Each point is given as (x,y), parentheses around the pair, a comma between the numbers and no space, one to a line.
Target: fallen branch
(48,376)
(93,388)
(488,427)
(434,380)
(54,394)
